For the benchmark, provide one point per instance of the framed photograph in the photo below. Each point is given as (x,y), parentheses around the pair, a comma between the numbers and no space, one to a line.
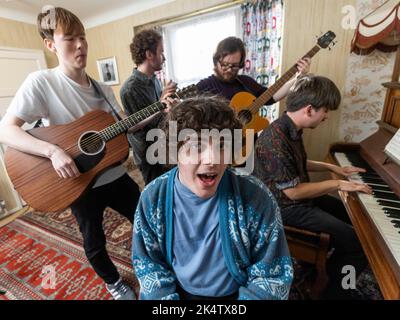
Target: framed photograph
(108,71)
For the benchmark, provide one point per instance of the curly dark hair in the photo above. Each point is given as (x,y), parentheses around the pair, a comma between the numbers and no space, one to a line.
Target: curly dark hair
(202,112)
(144,40)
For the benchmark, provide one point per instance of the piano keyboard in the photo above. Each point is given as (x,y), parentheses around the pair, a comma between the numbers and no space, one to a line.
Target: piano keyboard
(383,206)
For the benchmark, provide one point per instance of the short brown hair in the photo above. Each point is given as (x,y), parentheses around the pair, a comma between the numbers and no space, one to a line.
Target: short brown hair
(202,112)
(313,90)
(228,46)
(64,19)
(144,40)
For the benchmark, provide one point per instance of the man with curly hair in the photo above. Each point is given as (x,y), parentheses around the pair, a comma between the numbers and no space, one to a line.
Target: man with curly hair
(201,230)
(143,88)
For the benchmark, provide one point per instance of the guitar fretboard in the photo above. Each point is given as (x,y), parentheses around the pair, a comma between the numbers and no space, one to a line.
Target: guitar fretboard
(268,94)
(124,125)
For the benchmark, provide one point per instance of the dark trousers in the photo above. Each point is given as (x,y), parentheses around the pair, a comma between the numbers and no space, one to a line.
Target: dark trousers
(121,195)
(328,214)
(151,171)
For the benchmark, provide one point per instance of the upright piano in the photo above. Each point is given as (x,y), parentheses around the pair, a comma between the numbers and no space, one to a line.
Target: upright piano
(376,218)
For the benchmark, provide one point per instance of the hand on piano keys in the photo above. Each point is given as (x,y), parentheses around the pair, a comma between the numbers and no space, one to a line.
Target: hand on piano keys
(348,170)
(354,186)
(382,206)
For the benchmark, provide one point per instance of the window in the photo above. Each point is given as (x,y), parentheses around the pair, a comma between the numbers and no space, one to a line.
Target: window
(190,44)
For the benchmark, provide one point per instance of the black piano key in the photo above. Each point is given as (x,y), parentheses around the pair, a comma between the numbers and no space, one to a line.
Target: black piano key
(374,180)
(391,210)
(393,216)
(396,224)
(385,196)
(356,160)
(391,204)
(379,188)
(369,174)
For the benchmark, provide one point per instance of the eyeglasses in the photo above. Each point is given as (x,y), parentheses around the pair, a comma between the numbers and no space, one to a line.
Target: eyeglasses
(233,66)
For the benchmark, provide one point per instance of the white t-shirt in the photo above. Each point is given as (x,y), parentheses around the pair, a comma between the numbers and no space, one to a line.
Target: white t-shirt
(56,99)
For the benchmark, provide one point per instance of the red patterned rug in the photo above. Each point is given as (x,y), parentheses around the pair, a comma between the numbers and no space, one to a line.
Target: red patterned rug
(37,240)
(41,257)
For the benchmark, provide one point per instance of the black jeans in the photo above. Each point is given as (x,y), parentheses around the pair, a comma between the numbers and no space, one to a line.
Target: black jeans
(151,171)
(328,214)
(121,195)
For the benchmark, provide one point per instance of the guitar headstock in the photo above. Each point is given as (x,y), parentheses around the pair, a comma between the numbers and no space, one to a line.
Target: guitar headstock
(187,92)
(325,40)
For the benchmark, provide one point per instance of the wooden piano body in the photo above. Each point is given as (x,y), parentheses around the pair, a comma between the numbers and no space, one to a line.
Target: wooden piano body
(383,262)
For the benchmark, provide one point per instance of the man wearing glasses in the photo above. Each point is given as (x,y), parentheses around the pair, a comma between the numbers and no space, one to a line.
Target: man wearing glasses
(228,59)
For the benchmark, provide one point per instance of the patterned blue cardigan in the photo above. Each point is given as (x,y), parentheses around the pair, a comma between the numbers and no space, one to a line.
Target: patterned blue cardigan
(253,240)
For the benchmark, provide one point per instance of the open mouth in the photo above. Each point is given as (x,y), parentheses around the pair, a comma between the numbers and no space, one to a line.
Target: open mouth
(207,179)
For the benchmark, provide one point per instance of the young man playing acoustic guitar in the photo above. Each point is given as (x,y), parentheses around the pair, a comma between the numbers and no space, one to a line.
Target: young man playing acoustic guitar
(59,96)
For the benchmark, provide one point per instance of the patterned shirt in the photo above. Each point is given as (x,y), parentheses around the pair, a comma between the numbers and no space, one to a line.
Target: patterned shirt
(281,160)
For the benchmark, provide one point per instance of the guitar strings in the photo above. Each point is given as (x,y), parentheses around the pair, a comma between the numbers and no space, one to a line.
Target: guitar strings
(113,129)
(311,53)
(96,137)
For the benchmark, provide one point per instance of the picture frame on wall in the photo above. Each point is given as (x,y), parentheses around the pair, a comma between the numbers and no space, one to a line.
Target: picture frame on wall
(108,71)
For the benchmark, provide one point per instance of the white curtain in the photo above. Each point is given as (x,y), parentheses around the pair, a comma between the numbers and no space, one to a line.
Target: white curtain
(190,44)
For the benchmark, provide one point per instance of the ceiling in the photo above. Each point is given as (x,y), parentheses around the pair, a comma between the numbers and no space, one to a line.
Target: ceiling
(91,12)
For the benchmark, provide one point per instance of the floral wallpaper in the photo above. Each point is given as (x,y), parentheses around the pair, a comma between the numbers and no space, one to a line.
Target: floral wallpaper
(364,95)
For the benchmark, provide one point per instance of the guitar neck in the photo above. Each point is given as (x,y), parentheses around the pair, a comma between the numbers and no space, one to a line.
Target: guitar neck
(268,94)
(124,125)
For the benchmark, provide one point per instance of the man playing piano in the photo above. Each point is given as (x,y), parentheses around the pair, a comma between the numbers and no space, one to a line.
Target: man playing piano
(281,163)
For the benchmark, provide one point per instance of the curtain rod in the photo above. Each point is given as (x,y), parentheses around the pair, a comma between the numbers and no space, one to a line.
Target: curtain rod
(203,11)
(195,13)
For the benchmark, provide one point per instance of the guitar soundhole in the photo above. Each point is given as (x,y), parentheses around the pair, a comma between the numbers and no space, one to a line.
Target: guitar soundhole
(90,143)
(245,116)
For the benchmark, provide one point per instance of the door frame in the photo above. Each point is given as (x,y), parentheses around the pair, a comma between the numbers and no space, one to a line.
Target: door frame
(18,54)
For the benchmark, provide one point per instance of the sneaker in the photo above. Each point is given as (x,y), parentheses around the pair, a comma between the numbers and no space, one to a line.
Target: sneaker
(121,291)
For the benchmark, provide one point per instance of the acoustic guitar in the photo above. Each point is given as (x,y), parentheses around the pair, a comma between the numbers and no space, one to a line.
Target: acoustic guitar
(95,142)
(248,106)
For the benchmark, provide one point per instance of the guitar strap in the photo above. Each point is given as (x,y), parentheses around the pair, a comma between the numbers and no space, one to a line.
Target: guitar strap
(100,92)
(245,86)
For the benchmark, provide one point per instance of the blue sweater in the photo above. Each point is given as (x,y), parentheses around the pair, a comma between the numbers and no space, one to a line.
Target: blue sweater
(253,240)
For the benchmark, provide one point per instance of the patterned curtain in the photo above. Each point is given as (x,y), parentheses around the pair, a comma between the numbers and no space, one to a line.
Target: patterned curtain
(262,36)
